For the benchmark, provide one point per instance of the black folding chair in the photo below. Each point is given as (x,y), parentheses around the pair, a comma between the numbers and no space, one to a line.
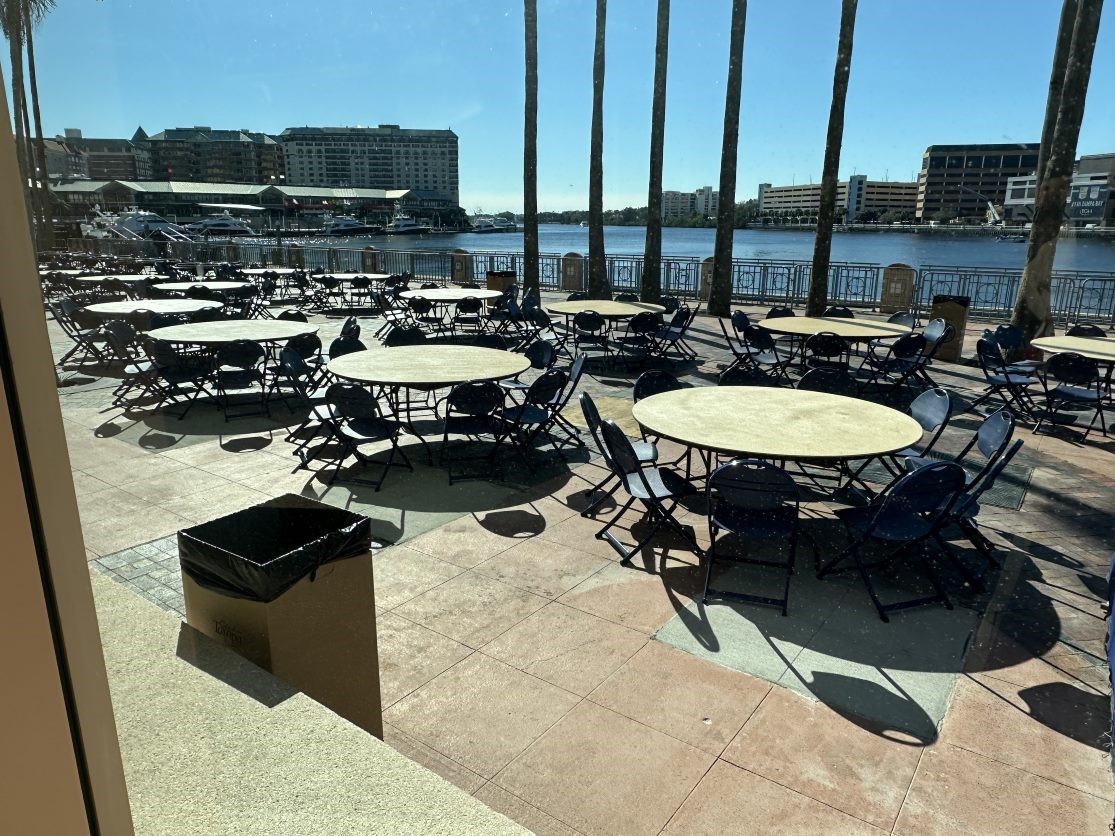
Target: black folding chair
(1012,388)
(902,520)
(1072,380)
(542,356)
(736,340)
(672,335)
(467,316)
(826,350)
(839,312)
(473,410)
(534,416)
(359,422)
(645,452)
(831,381)
(764,355)
(657,489)
(240,369)
(752,500)
(637,343)
(1085,329)
(990,440)
(590,333)
(898,366)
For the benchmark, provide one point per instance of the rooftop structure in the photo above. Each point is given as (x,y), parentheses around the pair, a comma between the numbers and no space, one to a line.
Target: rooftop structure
(213,156)
(960,180)
(386,157)
(854,197)
(111,159)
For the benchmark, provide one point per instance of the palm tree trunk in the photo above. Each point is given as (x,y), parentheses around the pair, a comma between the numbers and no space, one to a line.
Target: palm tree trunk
(1056,81)
(1032,311)
(14,26)
(530,149)
(47,231)
(826,214)
(720,293)
(597,268)
(651,287)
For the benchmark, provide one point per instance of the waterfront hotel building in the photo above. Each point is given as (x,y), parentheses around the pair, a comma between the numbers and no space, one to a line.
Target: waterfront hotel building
(387,157)
(854,196)
(960,180)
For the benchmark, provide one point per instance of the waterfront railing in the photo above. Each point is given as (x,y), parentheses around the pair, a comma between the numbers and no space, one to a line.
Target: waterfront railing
(1076,295)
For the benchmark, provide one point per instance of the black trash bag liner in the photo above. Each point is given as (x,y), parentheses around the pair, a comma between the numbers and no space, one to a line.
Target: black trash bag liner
(261,552)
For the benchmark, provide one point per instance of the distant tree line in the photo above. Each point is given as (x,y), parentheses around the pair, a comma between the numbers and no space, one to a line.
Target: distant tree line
(746,213)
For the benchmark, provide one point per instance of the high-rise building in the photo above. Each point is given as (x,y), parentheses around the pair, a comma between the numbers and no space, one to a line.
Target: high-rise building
(213,156)
(387,157)
(679,205)
(854,197)
(960,180)
(111,159)
(64,160)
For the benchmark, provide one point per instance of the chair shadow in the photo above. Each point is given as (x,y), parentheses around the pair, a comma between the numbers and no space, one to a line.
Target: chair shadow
(1083,716)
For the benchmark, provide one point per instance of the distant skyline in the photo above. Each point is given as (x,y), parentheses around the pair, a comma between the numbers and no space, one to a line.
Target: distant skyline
(922,74)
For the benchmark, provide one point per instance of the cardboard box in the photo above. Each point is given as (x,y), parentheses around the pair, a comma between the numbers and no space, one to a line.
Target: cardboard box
(319,636)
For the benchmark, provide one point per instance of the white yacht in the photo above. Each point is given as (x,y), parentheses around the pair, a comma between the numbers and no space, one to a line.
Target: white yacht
(132,224)
(221,225)
(405,225)
(487,225)
(339,226)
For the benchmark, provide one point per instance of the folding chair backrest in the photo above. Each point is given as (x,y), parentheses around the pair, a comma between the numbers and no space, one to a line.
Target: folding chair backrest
(779,312)
(541,354)
(429,286)
(307,345)
(576,369)
(576,296)
(404,336)
(1085,329)
(546,387)
(592,417)
(1072,368)
(995,433)
(936,331)
(351,327)
(590,322)
(539,319)
(240,354)
(475,399)
(292,363)
(627,297)
(654,382)
(829,381)
(420,305)
(292,316)
(643,323)
(121,337)
(1009,337)
(979,486)
(740,321)
(619,452)
(758,338)
(907,346)
(679,319)
(496,341)
(990,357)
(164,320)
(469,305)
(751,485)
(928,489)
(906,318)
(826,345)
(345,345)
(669,304)
(352,401)
(840,312)
(932,410)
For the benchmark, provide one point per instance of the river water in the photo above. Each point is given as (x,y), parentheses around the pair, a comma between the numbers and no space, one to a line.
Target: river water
(918,250)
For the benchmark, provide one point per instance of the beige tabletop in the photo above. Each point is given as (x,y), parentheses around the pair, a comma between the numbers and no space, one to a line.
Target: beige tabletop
(215,333)
(774,423)
(259,271)
(44,270)
(604,307)
(125,277)
(451,294)
(428,366)
(126,307)
(348,277)
(1097,348)
(182,287)
(849,329)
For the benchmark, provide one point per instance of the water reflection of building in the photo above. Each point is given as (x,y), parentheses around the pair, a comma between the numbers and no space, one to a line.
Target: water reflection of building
(855,196)
(1091,199)
(960,180)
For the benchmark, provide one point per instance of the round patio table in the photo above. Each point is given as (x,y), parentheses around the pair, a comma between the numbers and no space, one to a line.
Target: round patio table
(124,277)
(182,287)
(129,307)
(855,330)
(428,366)
(1096,348)
(348,277)
(259,271)
(781,424)
(605,307)
(449,295)
(216,333)
(44,271)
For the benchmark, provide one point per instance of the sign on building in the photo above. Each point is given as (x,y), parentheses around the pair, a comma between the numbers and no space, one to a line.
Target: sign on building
(1088,202)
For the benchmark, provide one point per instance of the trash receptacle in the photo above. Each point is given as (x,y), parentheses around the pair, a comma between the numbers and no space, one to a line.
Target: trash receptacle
(288,585)
(954,311)
(898,288)
(500,279)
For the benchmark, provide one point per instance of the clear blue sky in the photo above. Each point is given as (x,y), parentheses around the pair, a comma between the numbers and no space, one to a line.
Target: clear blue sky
(922,73)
